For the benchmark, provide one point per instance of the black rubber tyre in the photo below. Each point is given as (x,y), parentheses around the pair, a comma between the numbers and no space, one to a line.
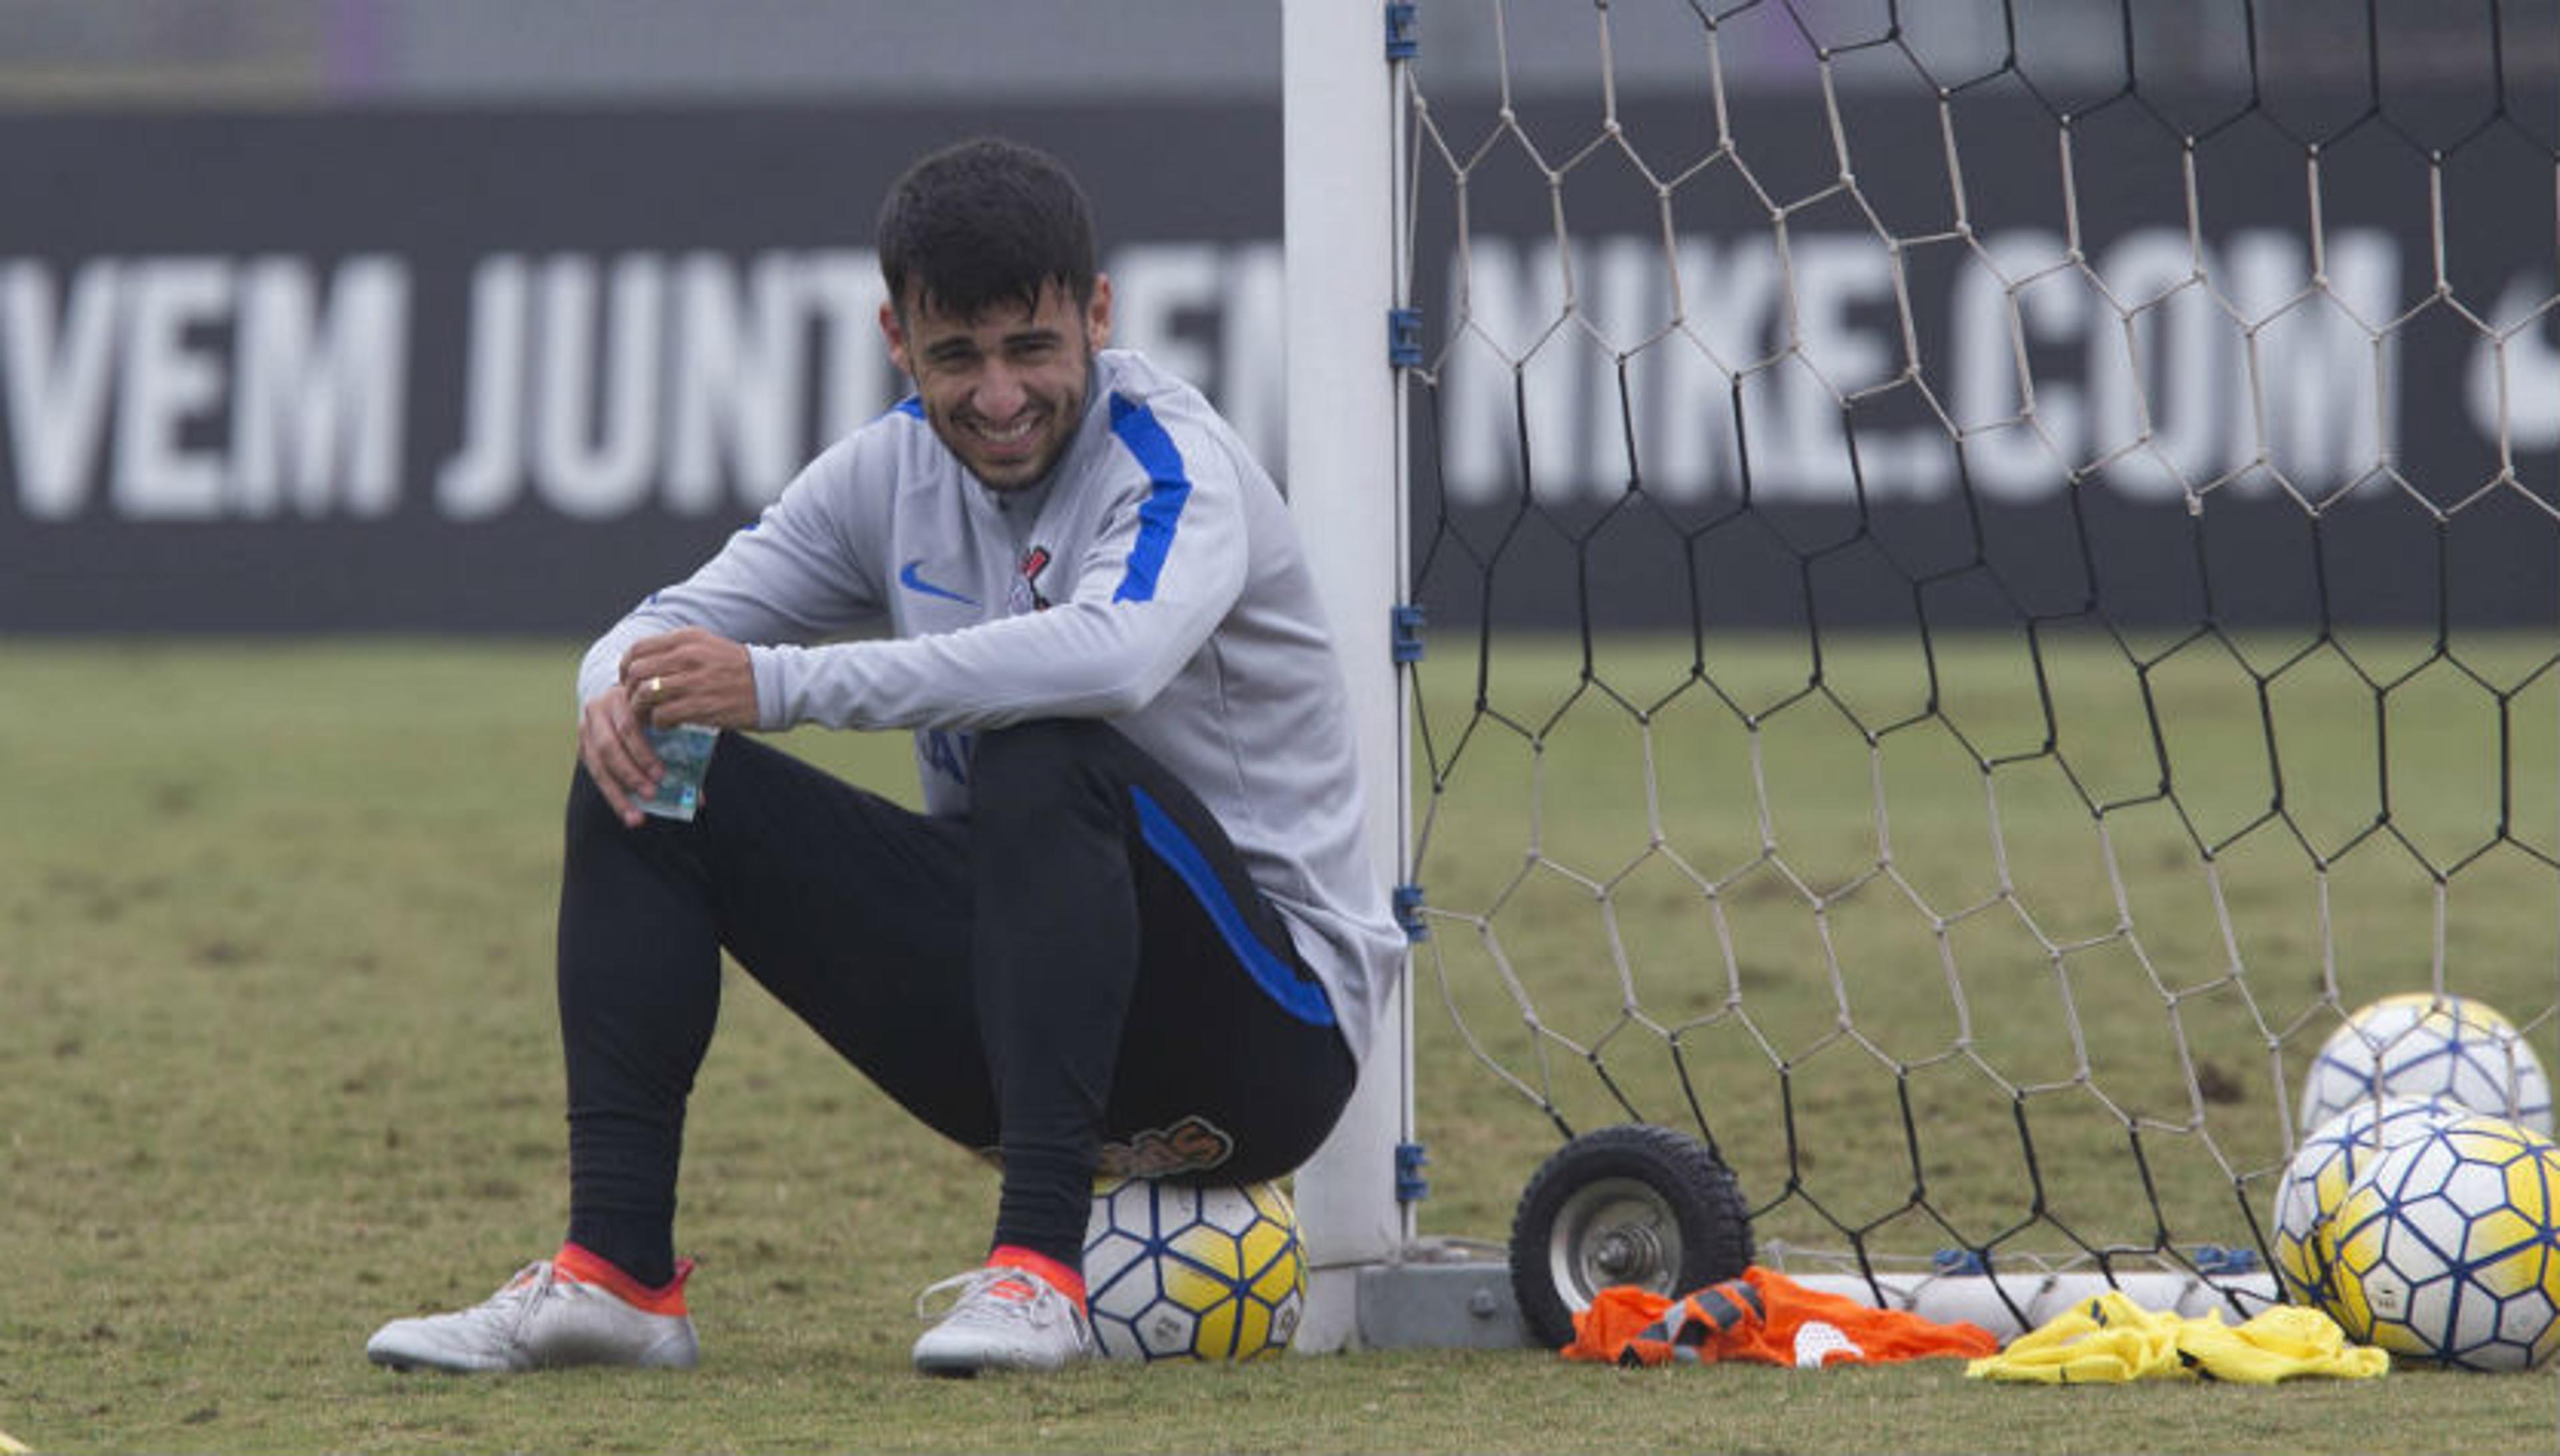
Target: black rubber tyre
(1632,1204)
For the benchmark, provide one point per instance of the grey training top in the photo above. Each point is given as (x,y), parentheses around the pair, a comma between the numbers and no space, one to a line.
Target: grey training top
(1154,579)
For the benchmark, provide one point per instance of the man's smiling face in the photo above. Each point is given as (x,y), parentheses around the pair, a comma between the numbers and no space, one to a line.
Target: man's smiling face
(1003,389)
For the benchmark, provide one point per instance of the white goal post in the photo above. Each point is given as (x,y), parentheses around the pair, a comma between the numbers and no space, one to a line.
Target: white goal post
(1346,484)
(2036,551)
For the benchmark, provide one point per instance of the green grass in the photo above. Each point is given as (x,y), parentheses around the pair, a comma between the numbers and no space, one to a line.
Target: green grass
(1686,875)
(282,1063)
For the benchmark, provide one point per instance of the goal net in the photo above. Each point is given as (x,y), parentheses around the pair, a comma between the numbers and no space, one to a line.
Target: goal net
(1978,577)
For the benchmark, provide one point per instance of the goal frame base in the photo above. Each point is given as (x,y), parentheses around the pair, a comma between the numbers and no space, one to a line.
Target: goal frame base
(1448,1294)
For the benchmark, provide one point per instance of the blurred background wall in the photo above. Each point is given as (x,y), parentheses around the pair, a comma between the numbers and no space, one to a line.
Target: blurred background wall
(491,316)
(318,53)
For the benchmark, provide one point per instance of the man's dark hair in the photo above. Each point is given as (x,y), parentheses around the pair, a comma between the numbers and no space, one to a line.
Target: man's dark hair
(983,222)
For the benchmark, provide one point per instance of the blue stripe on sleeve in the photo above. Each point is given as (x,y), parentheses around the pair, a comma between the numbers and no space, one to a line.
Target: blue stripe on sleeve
(1304,1000)
(1168,488)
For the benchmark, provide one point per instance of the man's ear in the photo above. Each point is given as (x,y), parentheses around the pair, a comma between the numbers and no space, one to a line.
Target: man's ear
(1097,314)
(897,336)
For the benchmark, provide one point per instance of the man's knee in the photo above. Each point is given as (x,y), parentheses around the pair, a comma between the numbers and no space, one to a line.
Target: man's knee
(595,825)
(1039,759)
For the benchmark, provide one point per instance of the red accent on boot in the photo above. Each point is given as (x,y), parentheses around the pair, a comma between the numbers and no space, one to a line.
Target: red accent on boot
(1066,1281)
(586,1266)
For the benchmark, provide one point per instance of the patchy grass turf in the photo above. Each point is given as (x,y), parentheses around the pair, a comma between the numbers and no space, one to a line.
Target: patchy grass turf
(282,1063)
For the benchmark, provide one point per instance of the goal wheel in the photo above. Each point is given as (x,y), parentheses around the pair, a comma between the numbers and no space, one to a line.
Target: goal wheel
(1632,1204)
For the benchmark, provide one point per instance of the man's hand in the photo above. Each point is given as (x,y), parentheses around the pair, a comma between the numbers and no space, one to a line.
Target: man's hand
(691,676)
(685,676)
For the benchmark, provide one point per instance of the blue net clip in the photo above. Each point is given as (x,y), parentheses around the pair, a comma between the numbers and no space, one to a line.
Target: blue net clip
(1404,632)
(1410,1186)
(1404,337)
(2213,1258)
(1407,901)
(1402,43)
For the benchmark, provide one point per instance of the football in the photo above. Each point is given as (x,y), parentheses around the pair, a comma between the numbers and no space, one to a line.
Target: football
(1175,1271)
(2326,1165)
(2422,1046)
(2447,1249)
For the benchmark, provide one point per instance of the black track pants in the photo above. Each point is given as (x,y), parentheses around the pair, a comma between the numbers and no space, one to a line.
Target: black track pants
(1079,976)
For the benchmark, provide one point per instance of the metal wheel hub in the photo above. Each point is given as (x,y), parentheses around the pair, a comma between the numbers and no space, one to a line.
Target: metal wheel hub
(1614,1231)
